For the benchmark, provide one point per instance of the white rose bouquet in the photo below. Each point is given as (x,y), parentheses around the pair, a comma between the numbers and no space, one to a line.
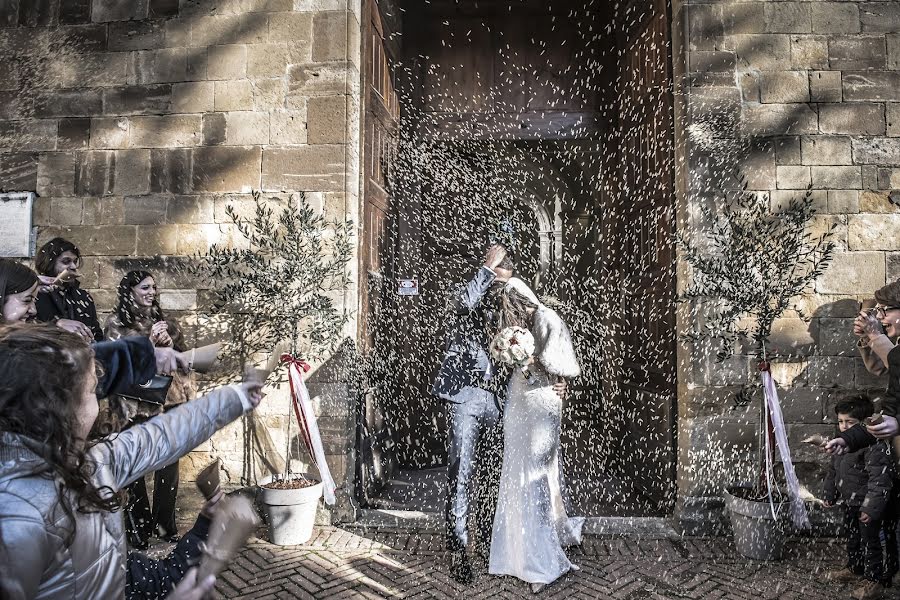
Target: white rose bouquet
(514,346)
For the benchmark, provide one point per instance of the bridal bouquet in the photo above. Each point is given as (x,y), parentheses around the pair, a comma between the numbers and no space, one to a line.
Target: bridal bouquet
(513,346)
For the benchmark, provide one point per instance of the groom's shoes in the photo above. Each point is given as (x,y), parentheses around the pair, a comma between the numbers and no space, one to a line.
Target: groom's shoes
(460,569)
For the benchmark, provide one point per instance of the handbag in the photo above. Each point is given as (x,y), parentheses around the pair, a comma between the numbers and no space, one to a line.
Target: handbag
(153,391)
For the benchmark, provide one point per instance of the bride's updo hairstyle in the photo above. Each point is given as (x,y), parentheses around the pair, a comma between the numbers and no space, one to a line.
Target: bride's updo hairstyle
(45,370)
(514,309)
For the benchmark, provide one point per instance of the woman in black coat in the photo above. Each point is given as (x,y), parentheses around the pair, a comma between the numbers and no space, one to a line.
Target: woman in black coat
(65,303)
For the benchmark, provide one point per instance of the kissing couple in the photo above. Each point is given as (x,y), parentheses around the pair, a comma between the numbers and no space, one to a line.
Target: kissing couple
(530,527)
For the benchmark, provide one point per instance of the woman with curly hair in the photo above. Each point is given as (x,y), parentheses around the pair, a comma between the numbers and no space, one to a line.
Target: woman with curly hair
(19,287)
(65,302)
(59,523)
(138,314)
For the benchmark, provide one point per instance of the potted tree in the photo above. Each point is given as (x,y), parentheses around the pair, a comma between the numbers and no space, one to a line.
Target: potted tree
(754,261)
(275,287)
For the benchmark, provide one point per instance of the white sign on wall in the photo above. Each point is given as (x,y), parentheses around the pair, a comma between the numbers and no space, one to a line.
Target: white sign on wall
(408,287)
(16,239)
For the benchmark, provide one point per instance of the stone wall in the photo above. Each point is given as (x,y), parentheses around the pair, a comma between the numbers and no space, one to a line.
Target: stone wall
(793,94)
(139,121)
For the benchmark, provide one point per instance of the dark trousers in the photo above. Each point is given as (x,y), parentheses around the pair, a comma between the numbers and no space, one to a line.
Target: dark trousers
(475,439)
(864,555)
(142,522)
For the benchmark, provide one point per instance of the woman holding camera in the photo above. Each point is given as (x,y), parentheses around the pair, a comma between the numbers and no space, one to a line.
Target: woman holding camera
(138,313)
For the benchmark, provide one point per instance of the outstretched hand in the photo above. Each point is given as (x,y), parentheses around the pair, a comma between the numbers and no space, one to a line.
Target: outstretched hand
(835,447)
(494,256)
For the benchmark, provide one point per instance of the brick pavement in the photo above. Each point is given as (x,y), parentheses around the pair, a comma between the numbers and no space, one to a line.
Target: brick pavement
(358,563)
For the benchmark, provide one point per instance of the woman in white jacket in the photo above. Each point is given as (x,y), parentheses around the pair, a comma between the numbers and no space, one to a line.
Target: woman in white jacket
(60,525)
(531,526)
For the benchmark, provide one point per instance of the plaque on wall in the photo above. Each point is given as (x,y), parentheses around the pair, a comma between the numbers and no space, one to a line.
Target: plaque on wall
(16,236)
(408,287)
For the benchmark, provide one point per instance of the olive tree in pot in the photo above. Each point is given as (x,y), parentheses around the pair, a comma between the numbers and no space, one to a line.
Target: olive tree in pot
(753,262)
(275,286)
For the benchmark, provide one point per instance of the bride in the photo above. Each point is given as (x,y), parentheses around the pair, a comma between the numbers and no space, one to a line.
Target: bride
(531,526)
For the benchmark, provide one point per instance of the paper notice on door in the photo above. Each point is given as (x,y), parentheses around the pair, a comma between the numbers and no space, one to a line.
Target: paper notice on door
(15,224)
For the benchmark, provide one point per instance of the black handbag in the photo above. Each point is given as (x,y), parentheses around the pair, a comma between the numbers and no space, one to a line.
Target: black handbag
(153,391)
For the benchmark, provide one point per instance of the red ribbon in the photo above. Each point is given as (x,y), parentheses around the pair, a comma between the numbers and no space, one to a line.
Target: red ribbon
(302,367)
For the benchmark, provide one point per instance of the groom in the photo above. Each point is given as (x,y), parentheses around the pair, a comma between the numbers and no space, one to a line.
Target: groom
(470,383)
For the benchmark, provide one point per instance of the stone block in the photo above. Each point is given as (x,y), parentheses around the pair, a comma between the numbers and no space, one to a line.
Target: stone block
(319,168)
(779,119)
(87,70)
(879,17)
(794,336)
(787,150)
(191,209)
(109,240)
(136,35)
(178,33)
(743,17)
(197,63)
(158,240)
(165,131)
(893,119)
(893,51)
(66,211)
(889,179)
(226,169)
(214,129)
(876,151)
(91,215)
(170,170)
(331,36)
(870,177)
(197,238)
(146,210)
(132,173)
(269,95)
(226,62)
(69,103)
(803,404)
(826,150)
(765,51)
(193,97)
(705,24)
(850,272)
(246,128)
(138,99)
(158,66)
(857,53)
(112,210)
(843,202)
(115,10)
(787,17)
(78,38)
(873,86)
(872,201)
(852,119)
(178,299)
(825,86)
(868,381)
(781,198)
(161,9)
(18,171)
(293,28)
(841,178)
(230,29)
(29,135)
(748,82)
(835,17)
(95,172)
(14,105)
(792,177)
(73,134)
(112,132)
(893,266)
(317,79)
(268,60)
(74,12)
(836,337)
(831,372)
(56,174)
(783,87)
(327,120)
(287,128)
(874,232)
(233,95)
(809,52)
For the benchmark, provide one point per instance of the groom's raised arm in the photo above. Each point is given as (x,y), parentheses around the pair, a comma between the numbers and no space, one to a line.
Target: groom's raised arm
(467,297)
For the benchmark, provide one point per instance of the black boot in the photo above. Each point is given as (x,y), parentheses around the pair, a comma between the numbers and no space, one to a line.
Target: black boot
(460,569)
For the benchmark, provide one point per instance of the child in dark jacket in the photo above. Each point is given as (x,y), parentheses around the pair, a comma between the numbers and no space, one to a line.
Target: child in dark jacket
(862,480)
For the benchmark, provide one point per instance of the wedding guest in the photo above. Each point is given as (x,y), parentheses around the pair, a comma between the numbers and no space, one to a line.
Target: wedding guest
(874,344)
(138,313)
(18,291)
(64,302)
(59,497)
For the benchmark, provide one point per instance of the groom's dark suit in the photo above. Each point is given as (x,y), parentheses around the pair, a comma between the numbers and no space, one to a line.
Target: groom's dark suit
(468,380)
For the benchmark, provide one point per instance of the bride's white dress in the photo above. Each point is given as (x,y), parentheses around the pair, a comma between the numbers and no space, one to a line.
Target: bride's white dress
(531,527)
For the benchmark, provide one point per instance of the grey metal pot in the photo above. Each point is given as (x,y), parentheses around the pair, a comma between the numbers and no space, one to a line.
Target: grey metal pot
(756,534)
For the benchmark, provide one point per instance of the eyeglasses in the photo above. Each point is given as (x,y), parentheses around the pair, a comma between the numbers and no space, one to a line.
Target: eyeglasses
(881,311)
